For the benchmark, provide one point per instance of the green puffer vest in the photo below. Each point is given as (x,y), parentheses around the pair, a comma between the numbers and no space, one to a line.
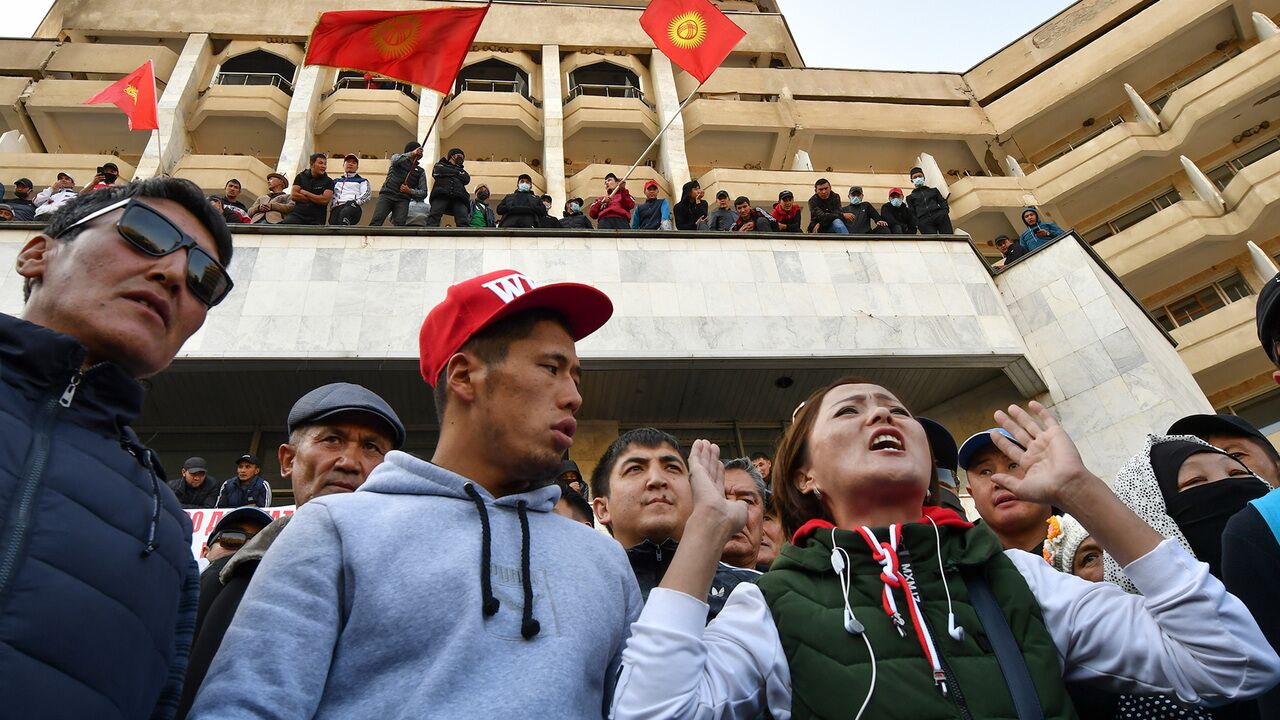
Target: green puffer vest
(830,669)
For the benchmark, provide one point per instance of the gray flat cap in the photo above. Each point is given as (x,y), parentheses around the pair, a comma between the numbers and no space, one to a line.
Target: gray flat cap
(328,400)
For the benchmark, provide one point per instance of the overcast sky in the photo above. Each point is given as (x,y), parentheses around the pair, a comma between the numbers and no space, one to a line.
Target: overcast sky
(918,35)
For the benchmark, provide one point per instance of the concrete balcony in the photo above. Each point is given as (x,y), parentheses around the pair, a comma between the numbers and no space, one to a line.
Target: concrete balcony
(482,111)
(25,58)
(1199,119)
(241,120)
(12,115)
(367,122)
(1221,348)
(609,130)
(43,169)
(1191,235)
(103,61)
(65,125)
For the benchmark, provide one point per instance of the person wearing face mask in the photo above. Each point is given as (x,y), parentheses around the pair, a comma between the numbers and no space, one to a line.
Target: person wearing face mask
(450,191)
(573,218)
(1186,490)
(522,208)
(481,214)
(22,206)
(929,209)
(897,214)
(107,176)
(865,218)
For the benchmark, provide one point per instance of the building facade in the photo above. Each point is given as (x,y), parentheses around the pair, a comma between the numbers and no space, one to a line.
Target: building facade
(1146,125)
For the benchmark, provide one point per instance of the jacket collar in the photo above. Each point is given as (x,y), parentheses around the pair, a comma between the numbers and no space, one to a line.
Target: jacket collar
(39,363)
(653,552)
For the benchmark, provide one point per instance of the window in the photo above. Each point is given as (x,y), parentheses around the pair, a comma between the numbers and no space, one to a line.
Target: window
(1215,296)
(604,79)
(1263,411)
(1132,217)
(493,76)
(257,68)
(1223,174)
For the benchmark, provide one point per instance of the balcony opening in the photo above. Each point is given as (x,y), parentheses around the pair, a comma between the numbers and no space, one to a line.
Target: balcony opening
(257,68)
(493,76)
(604,79)
(1132,217)
(357,80)
(1214,296)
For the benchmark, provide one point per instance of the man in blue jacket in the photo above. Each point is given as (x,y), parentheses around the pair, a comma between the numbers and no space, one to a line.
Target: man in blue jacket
(97,581)
(1038,232)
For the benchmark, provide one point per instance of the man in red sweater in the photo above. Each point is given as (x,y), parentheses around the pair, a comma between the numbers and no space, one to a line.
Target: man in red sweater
(612,211)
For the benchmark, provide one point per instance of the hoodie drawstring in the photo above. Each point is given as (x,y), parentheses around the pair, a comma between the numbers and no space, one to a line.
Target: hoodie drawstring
(490,603)
(528,625)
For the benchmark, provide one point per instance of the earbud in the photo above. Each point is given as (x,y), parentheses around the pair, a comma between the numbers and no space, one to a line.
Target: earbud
(851,624)
(955,631)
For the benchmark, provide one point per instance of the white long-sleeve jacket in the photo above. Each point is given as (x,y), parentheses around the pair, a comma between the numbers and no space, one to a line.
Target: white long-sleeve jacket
(1185,636)
(350,189)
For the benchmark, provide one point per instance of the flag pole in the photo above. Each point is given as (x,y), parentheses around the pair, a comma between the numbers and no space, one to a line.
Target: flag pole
(160,167)
(488,4)
(656,138)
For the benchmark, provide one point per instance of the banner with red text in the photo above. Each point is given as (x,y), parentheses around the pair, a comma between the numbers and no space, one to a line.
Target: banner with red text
(203,522)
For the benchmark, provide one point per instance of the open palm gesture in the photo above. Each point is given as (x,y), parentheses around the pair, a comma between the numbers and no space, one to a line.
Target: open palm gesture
(1049,458)
(706,480)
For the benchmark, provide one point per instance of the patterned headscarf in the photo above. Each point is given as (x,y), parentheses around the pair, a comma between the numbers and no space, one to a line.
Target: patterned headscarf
(1063,539)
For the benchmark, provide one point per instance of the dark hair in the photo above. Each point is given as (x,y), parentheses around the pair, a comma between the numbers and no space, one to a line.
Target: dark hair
(821,182)
(742,200)
(645,437)
(577,502)
(233,180)
(183,192)
(491,344)
(317,156)
(793,507)
(761,456)
(611,175)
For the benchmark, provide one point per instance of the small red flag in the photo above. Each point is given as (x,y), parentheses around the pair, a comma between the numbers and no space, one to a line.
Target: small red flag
(135,94)
(694,34)
(423,47)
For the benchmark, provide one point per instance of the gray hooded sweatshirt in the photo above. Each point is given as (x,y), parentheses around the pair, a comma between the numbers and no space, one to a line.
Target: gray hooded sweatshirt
(373,605)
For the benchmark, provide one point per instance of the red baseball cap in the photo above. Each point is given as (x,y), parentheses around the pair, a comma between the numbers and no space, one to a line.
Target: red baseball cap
(895,191)
(472,305)
(651,184)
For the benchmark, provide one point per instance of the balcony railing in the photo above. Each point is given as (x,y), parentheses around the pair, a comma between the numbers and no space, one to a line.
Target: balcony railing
(1077,142)
(240,78)
(611,91)
(518,86)
(360,83)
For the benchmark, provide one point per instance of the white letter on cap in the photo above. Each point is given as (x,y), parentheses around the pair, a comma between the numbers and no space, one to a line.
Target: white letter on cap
(510,287)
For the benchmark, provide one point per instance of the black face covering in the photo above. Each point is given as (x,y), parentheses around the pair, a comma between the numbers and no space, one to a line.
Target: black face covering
(482,196)
(109,178)
(1201,512)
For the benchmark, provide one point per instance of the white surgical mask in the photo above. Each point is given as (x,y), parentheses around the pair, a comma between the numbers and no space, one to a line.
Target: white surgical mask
(896,202)
(855,199)
(917,181)
(524,187)
(575,207)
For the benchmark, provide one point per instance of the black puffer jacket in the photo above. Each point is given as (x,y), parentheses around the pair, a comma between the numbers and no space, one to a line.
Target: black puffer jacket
(576,221)
(450,181)
(649,561)
(98,587)
(927,204)
(521,209)
(403,171)
(864,217)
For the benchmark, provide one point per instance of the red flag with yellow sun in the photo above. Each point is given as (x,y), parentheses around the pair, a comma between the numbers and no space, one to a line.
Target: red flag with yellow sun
(135,94)
(694,34)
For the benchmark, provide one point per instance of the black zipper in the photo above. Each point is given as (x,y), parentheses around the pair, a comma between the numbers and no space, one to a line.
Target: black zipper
(16,538)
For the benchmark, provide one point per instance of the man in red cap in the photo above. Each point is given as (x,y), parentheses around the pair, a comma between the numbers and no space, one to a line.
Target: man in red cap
(654,213)
(454,590)
(897,214)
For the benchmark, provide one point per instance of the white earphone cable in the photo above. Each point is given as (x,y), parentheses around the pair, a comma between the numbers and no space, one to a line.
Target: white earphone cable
(840,562)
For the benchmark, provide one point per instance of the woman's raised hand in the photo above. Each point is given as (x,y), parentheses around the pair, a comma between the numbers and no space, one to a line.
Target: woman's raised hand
(1052,464)
(706,479)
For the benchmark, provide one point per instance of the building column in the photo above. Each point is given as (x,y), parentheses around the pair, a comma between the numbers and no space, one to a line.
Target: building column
(428,107)
(553,126)
(672,160)
(300,128)
(181,94)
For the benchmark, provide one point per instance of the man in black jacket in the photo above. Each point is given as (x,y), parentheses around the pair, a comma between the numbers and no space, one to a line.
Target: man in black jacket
(406,180)
(928,208)
(573,218)
(1010,248)
(522,209)
(196,488)
(105,637)
(865,218)
(752,219)
(825,213)
(640,492)
(450,191)
(338,434)
(897,214)
(246,487)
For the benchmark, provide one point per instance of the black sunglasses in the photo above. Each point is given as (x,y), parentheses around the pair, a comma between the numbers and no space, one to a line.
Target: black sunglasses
(151,233)
(231,539)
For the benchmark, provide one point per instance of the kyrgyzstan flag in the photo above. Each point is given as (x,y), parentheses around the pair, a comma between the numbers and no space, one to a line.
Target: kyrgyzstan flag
(135,94)
(694,34)
(423,47)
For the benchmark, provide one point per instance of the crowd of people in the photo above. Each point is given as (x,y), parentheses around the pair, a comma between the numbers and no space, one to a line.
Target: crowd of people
(840,577)
(316,198)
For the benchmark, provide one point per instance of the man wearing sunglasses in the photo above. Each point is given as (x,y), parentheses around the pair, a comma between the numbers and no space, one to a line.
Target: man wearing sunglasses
(97,582)
(227,537)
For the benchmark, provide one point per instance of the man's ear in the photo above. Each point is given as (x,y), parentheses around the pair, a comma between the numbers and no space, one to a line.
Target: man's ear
(33,259)
(461,374)
(601,507)
(287,453)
